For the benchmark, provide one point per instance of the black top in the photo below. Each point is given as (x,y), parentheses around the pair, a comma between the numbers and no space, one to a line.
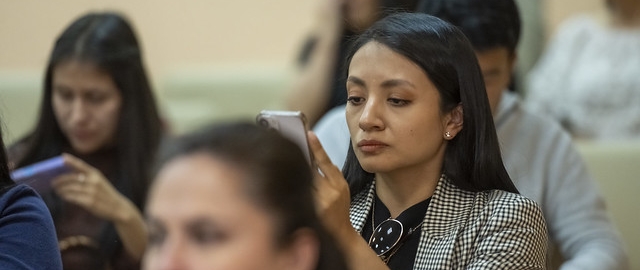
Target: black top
(74,222)
(412,217)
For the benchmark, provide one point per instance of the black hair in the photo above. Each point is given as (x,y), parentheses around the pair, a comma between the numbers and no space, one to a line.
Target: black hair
(390,6)
(277,177)
(5,177)
(472,160)
(107,41)
(487,24)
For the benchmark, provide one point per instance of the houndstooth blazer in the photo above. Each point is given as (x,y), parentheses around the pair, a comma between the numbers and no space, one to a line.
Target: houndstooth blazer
(472,230)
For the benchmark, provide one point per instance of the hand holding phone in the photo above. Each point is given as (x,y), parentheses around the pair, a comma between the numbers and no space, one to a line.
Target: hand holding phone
(291,124)
(39,175)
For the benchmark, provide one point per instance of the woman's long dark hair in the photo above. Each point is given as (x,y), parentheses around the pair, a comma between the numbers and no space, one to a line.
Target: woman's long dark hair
(5,177)
(107,41)
(472,159)
(278,178)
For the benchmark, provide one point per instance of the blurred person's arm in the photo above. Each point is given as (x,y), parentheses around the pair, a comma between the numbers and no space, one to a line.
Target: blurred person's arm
(311,89)
(576,212)
(91,190)
(131,229)
(544,163)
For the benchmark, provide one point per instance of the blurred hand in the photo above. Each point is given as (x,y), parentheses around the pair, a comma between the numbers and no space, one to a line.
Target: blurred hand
(331,192)
(87,187)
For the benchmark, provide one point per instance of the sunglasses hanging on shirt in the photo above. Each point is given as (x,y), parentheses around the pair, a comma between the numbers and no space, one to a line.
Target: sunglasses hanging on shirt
(388,236)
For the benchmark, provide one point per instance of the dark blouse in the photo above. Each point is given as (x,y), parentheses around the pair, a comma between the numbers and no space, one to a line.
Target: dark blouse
(82,236)
(412,217)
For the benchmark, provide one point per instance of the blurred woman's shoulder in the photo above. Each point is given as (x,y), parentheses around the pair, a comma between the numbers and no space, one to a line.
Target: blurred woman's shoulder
(580,24)
(18,193)
(27,231)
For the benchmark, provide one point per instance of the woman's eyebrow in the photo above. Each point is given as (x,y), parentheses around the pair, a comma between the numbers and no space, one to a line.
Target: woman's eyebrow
(356,80)
(396,82)
(386,84)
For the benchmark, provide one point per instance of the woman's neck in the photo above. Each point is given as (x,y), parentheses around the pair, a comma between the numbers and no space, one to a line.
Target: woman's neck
(399,191)
(105,159)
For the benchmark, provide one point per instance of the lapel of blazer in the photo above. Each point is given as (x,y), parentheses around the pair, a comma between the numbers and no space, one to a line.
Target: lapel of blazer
(360,207)
(448,212)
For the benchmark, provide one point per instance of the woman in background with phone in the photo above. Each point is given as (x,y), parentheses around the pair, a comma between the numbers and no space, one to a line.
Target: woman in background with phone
(425,184)
(236,196)
(99,109)
(27,234)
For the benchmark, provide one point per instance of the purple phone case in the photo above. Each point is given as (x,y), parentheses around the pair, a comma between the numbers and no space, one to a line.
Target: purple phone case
(40,174)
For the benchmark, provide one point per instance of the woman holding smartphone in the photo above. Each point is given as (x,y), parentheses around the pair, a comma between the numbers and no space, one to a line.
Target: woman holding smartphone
(425,184)
(98,109)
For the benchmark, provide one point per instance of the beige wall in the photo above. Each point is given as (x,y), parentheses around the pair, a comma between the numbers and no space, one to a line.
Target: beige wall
(555,11)
(173,33)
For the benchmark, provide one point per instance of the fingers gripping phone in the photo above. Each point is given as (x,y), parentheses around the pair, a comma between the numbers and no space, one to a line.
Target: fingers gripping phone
(40,174)
(291,124)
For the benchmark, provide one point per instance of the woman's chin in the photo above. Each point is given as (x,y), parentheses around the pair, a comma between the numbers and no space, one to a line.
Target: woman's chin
(84,148)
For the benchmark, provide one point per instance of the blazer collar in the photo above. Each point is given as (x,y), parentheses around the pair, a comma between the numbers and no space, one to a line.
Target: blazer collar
(449,208)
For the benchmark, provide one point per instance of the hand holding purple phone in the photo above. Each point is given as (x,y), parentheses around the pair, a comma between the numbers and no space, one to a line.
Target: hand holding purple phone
(39,175)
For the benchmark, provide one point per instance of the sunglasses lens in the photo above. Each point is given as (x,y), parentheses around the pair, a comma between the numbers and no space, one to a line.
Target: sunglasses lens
(386,236)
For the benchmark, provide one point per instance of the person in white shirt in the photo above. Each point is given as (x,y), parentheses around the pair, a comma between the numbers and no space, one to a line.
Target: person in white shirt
(587,77)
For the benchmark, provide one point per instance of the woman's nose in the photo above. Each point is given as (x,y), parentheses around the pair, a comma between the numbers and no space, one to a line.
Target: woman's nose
(370,119)
(171,257)
(79,112)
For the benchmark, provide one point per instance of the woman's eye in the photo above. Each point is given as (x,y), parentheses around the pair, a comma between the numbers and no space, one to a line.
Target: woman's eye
(355,100)
(398,102)
(207,236)
(96,98)
(64,95)
(155,237)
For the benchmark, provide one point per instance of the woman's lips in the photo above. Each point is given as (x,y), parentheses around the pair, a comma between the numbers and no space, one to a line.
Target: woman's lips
(81,135)
(371,146)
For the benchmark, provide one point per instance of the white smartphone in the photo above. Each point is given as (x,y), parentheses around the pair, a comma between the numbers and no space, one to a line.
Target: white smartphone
(291,124)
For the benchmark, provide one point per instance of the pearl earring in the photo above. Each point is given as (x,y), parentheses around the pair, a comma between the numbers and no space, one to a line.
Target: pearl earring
(447,134)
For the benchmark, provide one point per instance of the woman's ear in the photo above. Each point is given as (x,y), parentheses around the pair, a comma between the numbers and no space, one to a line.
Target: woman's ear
(303,251)
(453,122)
